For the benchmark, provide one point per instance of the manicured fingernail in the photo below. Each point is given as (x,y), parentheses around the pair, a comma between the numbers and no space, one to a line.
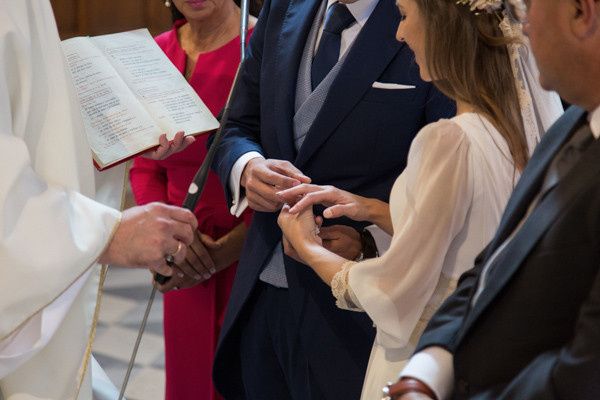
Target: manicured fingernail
(212,270)
(197,277)
(180,275)
(206,276)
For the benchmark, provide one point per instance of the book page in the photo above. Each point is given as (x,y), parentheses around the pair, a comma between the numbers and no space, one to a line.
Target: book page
(156,82)
(116,124)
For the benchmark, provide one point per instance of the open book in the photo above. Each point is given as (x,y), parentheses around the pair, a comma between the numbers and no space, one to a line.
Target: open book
(130,93)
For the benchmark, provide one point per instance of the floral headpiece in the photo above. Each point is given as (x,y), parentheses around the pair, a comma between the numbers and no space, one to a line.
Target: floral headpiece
(477,6)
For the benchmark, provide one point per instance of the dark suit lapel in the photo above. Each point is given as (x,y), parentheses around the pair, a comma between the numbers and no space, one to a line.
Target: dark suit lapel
(370,54)
(539,221)
(534,173)
(290,45)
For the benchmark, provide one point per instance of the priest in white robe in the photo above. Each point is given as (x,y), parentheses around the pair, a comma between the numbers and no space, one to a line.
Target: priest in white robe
(52,232)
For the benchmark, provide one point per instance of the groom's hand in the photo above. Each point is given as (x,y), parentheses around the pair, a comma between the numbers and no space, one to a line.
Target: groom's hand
(342,240)
(262,179)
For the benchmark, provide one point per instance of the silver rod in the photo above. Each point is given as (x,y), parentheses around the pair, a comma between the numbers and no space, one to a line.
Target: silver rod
(138,340)
(245,12)
(198,182)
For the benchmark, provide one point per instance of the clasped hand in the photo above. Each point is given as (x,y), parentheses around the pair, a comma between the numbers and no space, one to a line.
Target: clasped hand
(197,267)
(205,257)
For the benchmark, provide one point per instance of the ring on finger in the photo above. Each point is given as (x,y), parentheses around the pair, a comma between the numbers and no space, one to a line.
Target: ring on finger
(179,246)
(170,258)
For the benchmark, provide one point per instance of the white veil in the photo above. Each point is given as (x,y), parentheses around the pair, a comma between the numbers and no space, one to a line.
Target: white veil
(539,108)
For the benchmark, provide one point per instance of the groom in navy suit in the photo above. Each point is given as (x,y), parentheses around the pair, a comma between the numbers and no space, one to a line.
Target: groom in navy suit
(326,94)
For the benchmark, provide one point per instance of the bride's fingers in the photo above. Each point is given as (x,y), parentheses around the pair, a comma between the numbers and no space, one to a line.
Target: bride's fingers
(340,210)
(291,195)
(311,199)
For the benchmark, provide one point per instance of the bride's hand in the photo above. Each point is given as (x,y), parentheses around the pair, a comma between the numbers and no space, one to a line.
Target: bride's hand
(338,202)
(299,230)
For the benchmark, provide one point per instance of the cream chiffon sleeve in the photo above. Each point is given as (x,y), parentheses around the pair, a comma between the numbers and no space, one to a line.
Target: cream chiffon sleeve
(429,204)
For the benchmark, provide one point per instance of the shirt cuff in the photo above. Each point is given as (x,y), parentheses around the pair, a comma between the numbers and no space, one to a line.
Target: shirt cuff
(433,366)
(382,239)
(238,205)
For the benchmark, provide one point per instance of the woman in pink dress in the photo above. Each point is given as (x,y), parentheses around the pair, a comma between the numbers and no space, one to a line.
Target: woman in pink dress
(204,45)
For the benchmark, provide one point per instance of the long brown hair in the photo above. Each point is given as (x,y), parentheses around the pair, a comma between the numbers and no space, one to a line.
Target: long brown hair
(468,57)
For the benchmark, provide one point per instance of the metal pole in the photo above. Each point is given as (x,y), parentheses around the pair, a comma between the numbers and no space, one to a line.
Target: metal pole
(197,186)
(245,13)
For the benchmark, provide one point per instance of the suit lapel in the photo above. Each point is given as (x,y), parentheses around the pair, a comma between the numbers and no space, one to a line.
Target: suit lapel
(370,54)
(290,45)
(541,218)
(533,175)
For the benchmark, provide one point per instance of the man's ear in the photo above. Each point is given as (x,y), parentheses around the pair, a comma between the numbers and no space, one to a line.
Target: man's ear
(585,17)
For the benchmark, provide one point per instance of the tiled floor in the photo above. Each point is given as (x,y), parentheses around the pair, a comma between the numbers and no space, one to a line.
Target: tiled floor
(126,293)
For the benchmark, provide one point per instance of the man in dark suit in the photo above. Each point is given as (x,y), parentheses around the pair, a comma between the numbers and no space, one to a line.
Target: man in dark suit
(326,94)
(525,322)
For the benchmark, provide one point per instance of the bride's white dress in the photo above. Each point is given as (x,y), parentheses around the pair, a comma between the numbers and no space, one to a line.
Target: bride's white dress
(445,207)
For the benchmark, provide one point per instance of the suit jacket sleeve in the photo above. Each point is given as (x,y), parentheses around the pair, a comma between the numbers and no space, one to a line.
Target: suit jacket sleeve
(569,372)
(241,134)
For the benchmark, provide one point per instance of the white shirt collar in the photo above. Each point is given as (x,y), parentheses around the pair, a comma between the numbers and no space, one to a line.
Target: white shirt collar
(361,10)
(594,118)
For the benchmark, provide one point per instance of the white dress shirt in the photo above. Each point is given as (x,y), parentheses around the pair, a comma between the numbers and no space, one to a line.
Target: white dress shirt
(434,365)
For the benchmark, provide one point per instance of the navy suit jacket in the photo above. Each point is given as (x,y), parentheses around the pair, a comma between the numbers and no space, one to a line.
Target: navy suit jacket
(534,332)
(359,142)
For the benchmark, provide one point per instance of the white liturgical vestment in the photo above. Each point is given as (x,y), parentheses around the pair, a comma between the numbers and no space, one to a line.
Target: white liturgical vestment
(51,231)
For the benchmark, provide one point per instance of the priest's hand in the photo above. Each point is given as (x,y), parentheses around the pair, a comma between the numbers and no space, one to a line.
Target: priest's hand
(262,179)
(168,147)
(147,234)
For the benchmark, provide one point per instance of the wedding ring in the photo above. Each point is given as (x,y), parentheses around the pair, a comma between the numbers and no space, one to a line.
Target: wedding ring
(170,258)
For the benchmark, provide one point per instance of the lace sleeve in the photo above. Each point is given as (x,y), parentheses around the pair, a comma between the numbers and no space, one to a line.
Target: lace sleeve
(345,297)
